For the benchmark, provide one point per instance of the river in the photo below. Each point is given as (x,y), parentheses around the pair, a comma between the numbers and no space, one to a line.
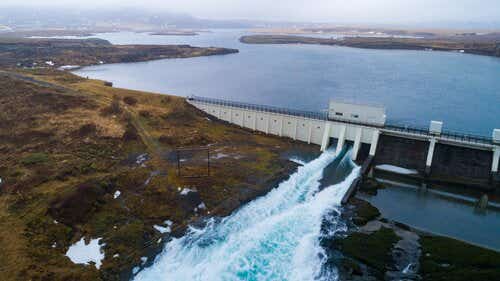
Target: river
(415,86)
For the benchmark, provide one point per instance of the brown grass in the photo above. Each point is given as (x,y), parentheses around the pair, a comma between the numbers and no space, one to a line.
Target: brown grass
(85,147)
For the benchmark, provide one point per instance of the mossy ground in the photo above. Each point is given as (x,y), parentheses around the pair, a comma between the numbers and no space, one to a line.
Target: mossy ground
(371,249)
(364,211)
(449,259)
(68,143)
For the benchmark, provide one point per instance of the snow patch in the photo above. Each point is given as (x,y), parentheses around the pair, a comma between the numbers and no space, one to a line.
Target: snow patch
(141,159)
(82,253)
(162,229)
(220,155)
(51,63)
(396,169)
(144,260)
(117,194)
(186,190)
(202,206)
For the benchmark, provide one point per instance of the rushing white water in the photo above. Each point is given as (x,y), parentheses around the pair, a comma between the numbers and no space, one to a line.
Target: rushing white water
(275,237)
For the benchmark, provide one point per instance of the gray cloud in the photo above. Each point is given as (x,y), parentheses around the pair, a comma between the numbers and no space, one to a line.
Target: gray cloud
(389,11)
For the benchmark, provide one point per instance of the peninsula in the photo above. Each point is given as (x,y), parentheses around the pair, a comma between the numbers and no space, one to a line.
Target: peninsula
(482,45)
(54,53)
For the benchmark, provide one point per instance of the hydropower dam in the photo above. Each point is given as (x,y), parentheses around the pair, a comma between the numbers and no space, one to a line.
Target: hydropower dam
(278,236)
(435,154)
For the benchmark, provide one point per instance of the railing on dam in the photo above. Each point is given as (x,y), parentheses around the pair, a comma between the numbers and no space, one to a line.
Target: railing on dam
(264,108)
(323,116)
(449,135)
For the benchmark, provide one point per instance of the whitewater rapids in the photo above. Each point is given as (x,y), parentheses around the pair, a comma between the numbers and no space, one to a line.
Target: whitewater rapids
(275,237)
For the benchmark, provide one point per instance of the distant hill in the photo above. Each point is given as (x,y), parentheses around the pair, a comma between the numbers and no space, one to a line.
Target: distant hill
(122,18)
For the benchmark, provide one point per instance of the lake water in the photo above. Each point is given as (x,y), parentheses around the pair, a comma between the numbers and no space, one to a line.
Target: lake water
(415,86)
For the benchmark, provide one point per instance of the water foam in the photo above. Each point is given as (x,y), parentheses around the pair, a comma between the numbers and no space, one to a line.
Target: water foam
(275,237)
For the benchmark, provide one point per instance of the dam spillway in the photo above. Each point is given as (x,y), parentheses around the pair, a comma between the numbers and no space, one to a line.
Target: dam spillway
(436,154)
(274,237)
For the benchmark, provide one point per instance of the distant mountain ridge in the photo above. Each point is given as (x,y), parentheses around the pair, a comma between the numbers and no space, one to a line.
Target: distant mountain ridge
(24,18)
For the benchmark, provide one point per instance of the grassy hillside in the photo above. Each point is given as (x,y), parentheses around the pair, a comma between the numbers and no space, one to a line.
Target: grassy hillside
(67,144)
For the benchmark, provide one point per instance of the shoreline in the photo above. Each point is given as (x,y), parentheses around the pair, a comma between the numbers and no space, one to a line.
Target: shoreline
(72,53)
(402,251)
(491,49)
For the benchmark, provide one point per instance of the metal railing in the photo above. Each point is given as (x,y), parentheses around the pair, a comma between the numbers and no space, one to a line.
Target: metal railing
(448,135)
(264,108)
(464,137)
(408,129)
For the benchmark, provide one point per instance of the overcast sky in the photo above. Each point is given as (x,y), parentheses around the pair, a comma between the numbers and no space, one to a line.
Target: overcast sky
(308,10)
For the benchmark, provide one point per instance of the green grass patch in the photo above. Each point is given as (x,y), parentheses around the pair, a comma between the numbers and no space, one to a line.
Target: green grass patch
(371,249)
(445,258)
(365,212)
(35,158)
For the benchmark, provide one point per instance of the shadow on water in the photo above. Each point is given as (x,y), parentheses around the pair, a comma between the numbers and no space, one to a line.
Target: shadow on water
(339,169)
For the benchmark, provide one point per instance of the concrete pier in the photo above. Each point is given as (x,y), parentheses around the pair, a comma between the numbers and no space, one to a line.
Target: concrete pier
(326,137)
(374,142)
(430,155)
(341,139)
(496,159)
(357,144)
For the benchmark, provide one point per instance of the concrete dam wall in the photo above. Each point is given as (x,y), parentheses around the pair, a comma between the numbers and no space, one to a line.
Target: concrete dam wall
(441,157)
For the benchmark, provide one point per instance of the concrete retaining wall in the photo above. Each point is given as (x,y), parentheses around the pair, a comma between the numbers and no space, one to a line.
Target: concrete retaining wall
(294,127)
(402,152)
(447,161)
(462,162)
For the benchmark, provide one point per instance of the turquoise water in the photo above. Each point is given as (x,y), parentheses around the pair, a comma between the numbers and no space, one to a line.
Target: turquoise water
(275,237)
(415,86)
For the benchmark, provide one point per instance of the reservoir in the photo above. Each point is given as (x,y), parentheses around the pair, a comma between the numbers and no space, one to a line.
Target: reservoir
(461,90)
